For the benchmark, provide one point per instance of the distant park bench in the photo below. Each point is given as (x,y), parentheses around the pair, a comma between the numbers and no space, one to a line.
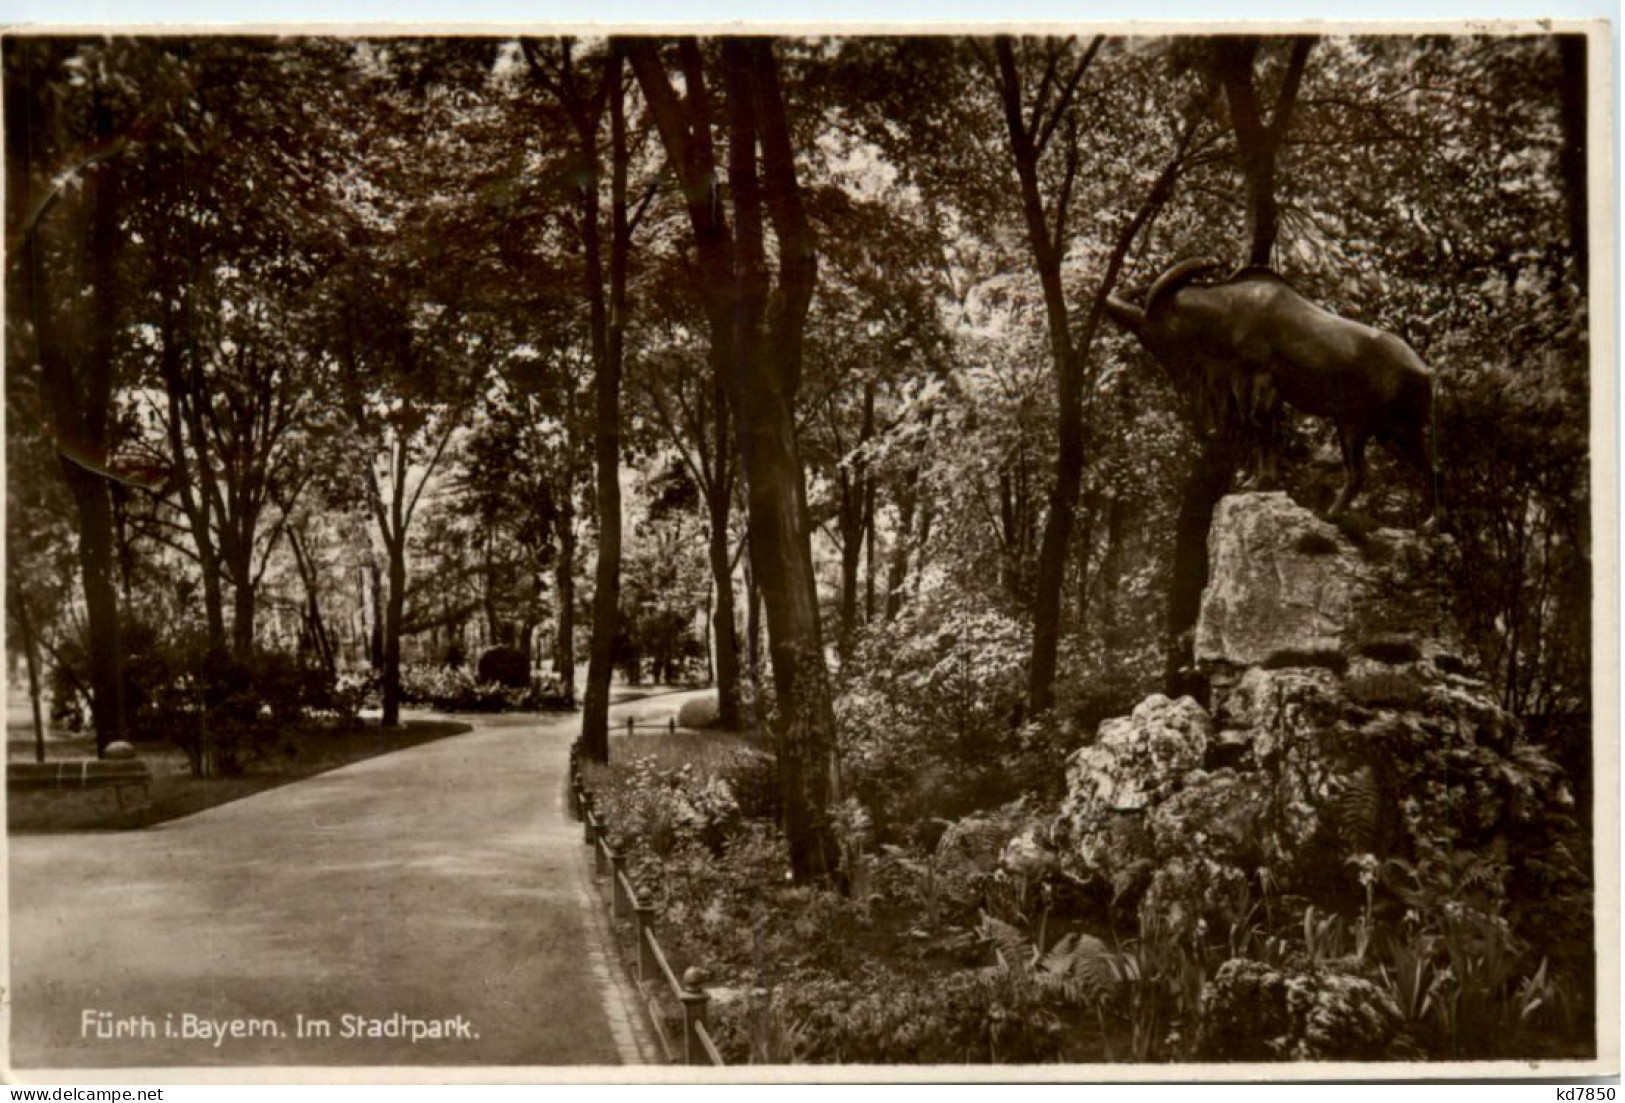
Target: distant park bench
(670,726)
(117,774)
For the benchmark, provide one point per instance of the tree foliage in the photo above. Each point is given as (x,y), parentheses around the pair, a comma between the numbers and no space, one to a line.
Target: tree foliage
(356,352)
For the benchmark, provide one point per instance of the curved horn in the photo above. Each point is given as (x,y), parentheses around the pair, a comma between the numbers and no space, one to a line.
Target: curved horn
(1125,314)
(1176,277)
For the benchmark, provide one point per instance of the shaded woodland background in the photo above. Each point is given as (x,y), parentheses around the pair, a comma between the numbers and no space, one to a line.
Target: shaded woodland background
(333,365)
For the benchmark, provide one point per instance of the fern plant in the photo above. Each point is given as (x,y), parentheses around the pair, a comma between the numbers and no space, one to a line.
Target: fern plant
(1079,970)
(776,1038)
(1164,977)
(1461,967)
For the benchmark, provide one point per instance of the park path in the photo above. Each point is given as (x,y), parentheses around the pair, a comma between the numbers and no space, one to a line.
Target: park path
(444,882)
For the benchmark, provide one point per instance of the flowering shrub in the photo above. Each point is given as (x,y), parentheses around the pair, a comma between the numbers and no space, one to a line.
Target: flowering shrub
(352,691)
(927,713)
(1257,1012)
(754,778)
(662,810)
(227,715)
(454,689)
(958,670)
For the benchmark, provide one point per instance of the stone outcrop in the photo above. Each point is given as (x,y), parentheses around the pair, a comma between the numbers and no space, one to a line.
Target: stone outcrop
(1135,759)
(1289,589)
(1257,1012)
(1343,723)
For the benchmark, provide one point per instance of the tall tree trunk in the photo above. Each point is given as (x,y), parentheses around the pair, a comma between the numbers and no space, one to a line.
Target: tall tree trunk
(1572,157)
(856,496)
(393,615)
(375,630)
(102,620)
(17,605)
(214,598)
(606,579)
(72,301)
(766,374)
(607,320)
(77,385)
(1086,546)
(488,597)
(527,647)
(195,499)
(242,605)
(723,629)
(757,342)
(1109,574)
(392,523)
(720,492)
(315,625)
(1209,480)
(753,627)
(897,568)
(869,551)
(851,563)
(1048,250)
(1047,236)
(31,647)
(564,583)
(710,635)
(1258,142)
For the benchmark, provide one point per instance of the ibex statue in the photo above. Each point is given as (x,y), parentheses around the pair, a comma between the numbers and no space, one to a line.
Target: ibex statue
(1253,333)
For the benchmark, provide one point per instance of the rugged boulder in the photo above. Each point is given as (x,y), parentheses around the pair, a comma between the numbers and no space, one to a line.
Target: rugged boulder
(1287,589)
(1343,725)
(1257,1012)
(1135,763)
(1135,759)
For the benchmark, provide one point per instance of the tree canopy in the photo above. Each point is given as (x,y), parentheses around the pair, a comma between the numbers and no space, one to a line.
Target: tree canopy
(379,353)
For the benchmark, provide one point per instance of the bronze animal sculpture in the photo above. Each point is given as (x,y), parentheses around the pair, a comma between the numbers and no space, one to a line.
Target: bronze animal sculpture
(1261,343)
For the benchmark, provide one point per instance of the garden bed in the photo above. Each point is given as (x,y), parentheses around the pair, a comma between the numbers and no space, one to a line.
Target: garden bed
(962,951)
(901,971)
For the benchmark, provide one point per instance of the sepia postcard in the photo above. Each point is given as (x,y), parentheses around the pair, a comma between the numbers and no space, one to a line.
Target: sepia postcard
(653,554)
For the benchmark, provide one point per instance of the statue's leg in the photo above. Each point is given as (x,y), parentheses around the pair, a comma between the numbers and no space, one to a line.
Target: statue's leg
(1267,418)
(1237,418)
(1256,407)
(1414,446)
(1353,442)
(1431,476)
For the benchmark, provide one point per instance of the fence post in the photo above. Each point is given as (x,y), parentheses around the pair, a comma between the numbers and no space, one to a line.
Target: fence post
(617,906)
(588,821)
(602,855)
(645,915)
(695,1005)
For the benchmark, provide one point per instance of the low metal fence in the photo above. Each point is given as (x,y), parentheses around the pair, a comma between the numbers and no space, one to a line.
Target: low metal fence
(653,968)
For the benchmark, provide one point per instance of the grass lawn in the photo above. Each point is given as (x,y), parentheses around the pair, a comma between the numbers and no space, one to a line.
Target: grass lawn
(175,792)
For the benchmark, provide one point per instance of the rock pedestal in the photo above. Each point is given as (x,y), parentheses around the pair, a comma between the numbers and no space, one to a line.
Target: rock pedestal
(1344,728)
(1348,752)
(1286,588)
